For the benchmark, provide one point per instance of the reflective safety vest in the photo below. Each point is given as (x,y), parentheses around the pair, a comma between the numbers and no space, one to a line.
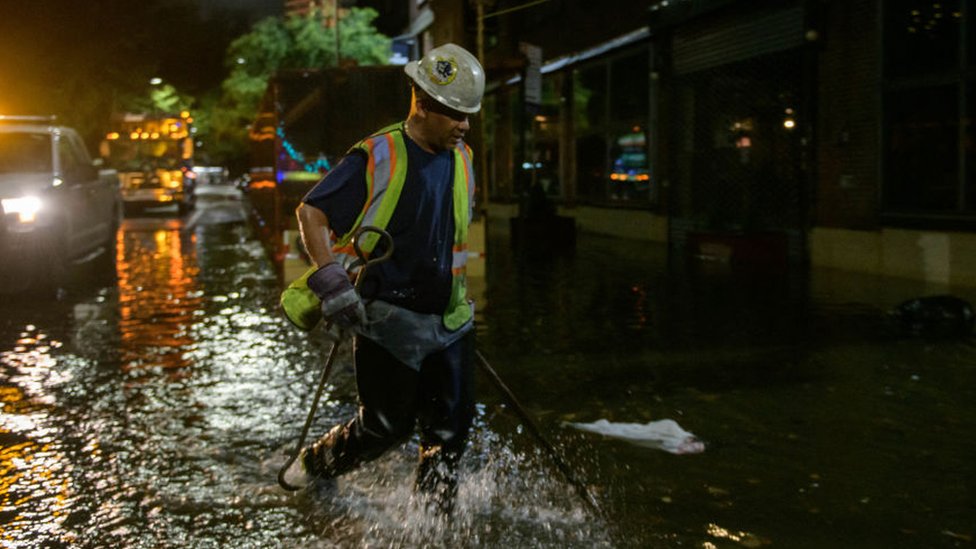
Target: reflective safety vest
(386,171)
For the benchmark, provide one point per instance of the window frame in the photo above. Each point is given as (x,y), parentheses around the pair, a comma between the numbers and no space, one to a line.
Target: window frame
(962,78)
(608,125)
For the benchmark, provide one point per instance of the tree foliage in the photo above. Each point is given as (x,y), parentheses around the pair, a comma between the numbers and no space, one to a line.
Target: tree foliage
(162,98)
(274,44)
(84,61)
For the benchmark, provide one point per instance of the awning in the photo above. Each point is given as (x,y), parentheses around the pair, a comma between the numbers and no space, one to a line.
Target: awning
(423,20)
(568,60)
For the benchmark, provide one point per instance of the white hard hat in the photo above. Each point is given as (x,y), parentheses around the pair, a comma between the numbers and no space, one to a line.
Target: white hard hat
(451,75)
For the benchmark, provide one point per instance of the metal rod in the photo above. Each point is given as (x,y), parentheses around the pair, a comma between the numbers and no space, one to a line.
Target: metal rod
(326,372)
(557,459)
(515,8)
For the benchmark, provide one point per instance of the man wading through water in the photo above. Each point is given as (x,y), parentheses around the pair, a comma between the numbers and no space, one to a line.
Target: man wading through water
(414,342)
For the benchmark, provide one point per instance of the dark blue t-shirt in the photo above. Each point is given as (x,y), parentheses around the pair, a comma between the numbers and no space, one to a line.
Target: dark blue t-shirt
(418,275)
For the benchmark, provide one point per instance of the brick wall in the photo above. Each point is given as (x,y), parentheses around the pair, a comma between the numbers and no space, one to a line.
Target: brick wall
(848,156)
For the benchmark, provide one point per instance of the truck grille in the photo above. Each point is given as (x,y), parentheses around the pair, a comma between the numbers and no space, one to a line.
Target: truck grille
(137,181)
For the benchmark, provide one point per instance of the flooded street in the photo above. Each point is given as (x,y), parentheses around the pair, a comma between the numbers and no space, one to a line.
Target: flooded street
(152,406)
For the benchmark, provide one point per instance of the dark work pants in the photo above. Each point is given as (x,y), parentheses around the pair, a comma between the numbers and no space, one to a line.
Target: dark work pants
(393,398)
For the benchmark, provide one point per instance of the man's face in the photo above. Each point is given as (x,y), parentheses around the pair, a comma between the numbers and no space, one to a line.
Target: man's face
(444,126)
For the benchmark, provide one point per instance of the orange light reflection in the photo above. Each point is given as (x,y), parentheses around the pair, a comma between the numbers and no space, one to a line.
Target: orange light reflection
(157,298)
(33,480)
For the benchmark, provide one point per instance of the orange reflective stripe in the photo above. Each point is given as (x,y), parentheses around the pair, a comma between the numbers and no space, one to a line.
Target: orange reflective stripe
(460,255)
(348,249)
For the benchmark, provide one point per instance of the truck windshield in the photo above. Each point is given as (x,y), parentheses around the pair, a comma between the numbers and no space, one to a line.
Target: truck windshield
(25,152)
(144,155)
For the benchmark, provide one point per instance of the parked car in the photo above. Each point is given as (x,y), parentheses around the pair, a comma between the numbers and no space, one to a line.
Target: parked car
(211,175)
(58,206)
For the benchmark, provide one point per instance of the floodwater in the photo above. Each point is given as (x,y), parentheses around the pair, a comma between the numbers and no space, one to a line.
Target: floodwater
(152,406)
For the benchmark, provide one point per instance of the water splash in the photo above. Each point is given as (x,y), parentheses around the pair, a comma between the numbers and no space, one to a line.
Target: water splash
(505,498)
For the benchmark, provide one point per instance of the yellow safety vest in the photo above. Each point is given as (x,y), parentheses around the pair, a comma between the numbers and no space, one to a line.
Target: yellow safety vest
(386,171)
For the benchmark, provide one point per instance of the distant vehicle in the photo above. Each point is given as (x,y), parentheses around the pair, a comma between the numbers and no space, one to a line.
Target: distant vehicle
(154,158)
(57,204)
(211,175)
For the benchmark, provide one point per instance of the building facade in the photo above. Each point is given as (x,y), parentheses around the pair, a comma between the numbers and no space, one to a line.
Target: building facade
(896,188)
(832,133)
(302,7)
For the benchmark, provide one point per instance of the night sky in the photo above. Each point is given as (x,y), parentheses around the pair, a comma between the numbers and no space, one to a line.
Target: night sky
(50,50)
(257,9)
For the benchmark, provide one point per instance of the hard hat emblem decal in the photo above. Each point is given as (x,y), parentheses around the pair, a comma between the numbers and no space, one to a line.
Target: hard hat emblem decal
(443,70)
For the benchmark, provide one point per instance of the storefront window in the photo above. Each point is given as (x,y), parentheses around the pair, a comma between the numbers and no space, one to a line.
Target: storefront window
(589,117)
(971,49)
(739,127)
(629,81)
(610,105)
(923,146)
(501,131)
(489,118)
(922,36)
(970,150)
(927,158)
(629,177)
(545,126)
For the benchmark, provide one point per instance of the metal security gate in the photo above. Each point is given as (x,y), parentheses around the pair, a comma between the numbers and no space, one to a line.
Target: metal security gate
(738,130)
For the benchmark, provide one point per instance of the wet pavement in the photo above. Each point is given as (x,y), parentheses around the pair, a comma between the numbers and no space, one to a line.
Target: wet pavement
(152,405)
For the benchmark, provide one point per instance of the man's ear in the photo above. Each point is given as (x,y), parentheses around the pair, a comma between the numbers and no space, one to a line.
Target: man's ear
(420,106)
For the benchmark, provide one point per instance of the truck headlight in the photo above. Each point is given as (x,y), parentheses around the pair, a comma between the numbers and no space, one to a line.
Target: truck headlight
(26,208)
(174,179)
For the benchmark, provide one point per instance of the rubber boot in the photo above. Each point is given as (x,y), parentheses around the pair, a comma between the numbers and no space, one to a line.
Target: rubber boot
(322,458)
(437,478)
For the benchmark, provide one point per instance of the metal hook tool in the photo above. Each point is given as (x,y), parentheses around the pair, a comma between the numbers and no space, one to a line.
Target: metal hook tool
(327,370)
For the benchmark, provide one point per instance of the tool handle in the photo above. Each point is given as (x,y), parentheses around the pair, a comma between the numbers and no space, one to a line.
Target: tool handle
(530,424)
(326,372)
(363,256)
(364,260)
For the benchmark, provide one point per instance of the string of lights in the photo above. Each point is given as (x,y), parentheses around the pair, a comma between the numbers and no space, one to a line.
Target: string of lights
(320,164)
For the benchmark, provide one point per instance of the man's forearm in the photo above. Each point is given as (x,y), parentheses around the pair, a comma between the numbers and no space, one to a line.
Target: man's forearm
(314,228)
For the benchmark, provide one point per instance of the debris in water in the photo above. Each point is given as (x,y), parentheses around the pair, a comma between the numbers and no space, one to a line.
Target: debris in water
(664,434)
(954,535)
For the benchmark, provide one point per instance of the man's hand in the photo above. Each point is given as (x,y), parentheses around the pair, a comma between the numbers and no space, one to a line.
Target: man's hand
(340,302)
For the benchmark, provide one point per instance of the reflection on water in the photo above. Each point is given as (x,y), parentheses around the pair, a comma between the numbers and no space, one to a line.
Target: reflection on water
(157,296)
(35,487)
(153,409)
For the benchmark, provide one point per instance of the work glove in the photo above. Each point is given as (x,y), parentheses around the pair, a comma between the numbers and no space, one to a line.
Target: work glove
(340,302)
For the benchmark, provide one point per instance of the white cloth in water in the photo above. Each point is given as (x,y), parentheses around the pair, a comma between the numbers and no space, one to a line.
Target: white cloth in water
(664,434)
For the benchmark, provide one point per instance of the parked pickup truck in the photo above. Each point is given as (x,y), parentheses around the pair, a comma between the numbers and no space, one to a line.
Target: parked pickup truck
(58,206)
